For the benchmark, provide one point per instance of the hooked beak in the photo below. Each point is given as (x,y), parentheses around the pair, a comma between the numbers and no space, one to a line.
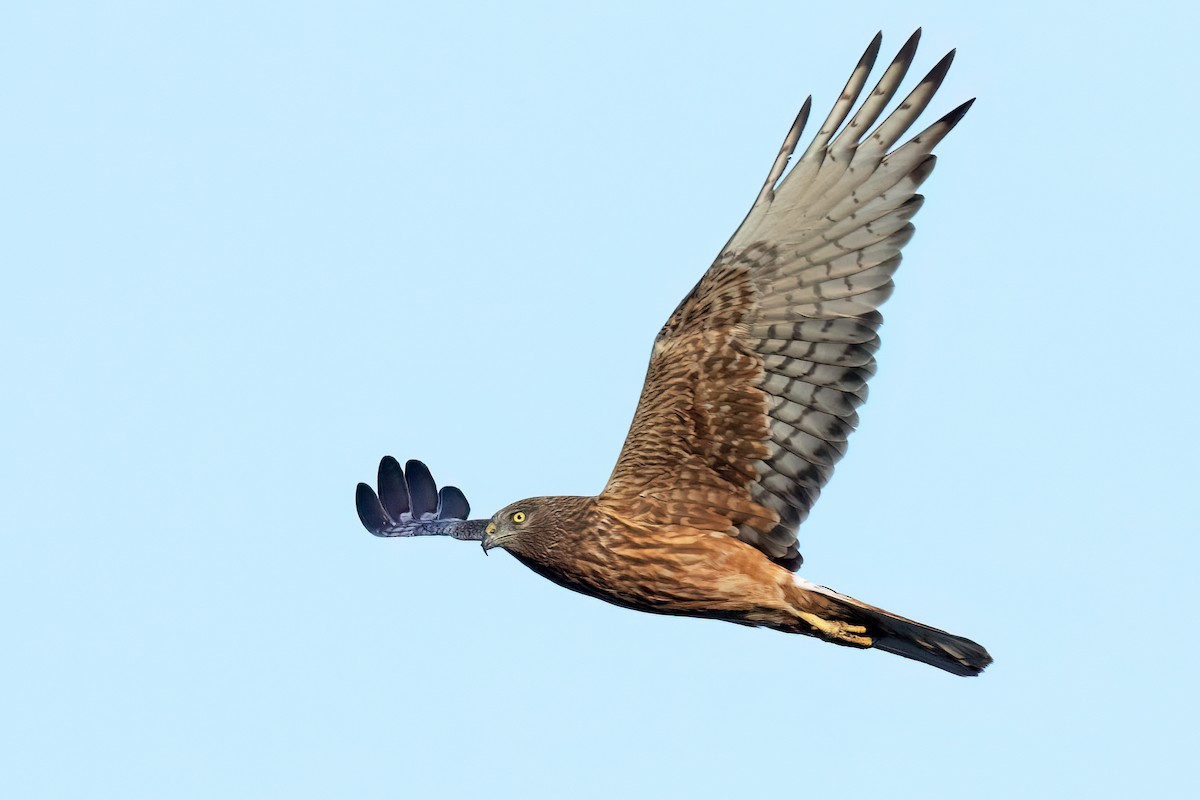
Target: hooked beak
(489,538)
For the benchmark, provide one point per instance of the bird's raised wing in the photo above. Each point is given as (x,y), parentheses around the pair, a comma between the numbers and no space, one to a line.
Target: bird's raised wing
(754,380)
(409,504)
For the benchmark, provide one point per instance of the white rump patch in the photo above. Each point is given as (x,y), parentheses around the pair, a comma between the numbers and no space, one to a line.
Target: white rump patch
(809,586)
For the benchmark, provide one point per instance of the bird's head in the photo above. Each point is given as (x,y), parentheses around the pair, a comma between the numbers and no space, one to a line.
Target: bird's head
(530,527)
(515,526)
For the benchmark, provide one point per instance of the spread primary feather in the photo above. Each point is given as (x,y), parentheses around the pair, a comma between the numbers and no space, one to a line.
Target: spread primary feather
(751,396)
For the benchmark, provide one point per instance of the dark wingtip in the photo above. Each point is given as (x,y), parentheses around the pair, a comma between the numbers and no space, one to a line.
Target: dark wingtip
(409,504)
(908,50)
(370,512)
(872,52)
(422,490)
(938,73)
(393,492)
(452,504)
(951,119)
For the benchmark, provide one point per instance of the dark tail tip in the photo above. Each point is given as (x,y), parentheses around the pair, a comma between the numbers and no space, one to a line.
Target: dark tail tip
(931,646)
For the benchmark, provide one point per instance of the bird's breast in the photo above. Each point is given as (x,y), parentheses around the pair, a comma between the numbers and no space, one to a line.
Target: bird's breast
(666,570)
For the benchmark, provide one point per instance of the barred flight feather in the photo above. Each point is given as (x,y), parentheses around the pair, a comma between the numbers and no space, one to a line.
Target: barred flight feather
(833,353)
(850,331)
(827,426)
(749,401)
(774,346)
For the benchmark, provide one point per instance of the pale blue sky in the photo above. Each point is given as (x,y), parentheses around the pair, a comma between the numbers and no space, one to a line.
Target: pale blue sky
(250,249)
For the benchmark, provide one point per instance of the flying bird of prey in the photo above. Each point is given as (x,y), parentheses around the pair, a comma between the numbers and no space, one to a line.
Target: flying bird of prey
(751,393)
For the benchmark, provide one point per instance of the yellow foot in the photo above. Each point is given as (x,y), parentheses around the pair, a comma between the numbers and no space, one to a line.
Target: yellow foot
(841,632)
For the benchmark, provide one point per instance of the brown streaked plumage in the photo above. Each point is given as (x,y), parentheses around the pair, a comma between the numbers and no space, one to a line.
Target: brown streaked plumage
(750,396)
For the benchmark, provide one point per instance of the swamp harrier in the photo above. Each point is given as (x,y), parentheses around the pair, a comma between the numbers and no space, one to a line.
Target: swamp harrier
(749,399)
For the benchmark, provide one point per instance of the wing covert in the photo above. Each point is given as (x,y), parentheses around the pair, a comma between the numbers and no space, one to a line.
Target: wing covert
(755,380)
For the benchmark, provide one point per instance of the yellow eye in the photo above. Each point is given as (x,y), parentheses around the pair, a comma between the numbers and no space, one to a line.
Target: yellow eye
(518,517)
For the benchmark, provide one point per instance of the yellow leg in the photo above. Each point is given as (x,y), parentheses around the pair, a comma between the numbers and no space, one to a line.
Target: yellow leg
(836,631)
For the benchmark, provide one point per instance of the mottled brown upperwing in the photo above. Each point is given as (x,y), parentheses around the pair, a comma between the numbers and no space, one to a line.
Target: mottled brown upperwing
(702,422)
(755,381)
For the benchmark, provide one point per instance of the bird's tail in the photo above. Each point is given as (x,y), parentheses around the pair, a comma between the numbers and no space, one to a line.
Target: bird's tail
(893,634)
(937,648)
